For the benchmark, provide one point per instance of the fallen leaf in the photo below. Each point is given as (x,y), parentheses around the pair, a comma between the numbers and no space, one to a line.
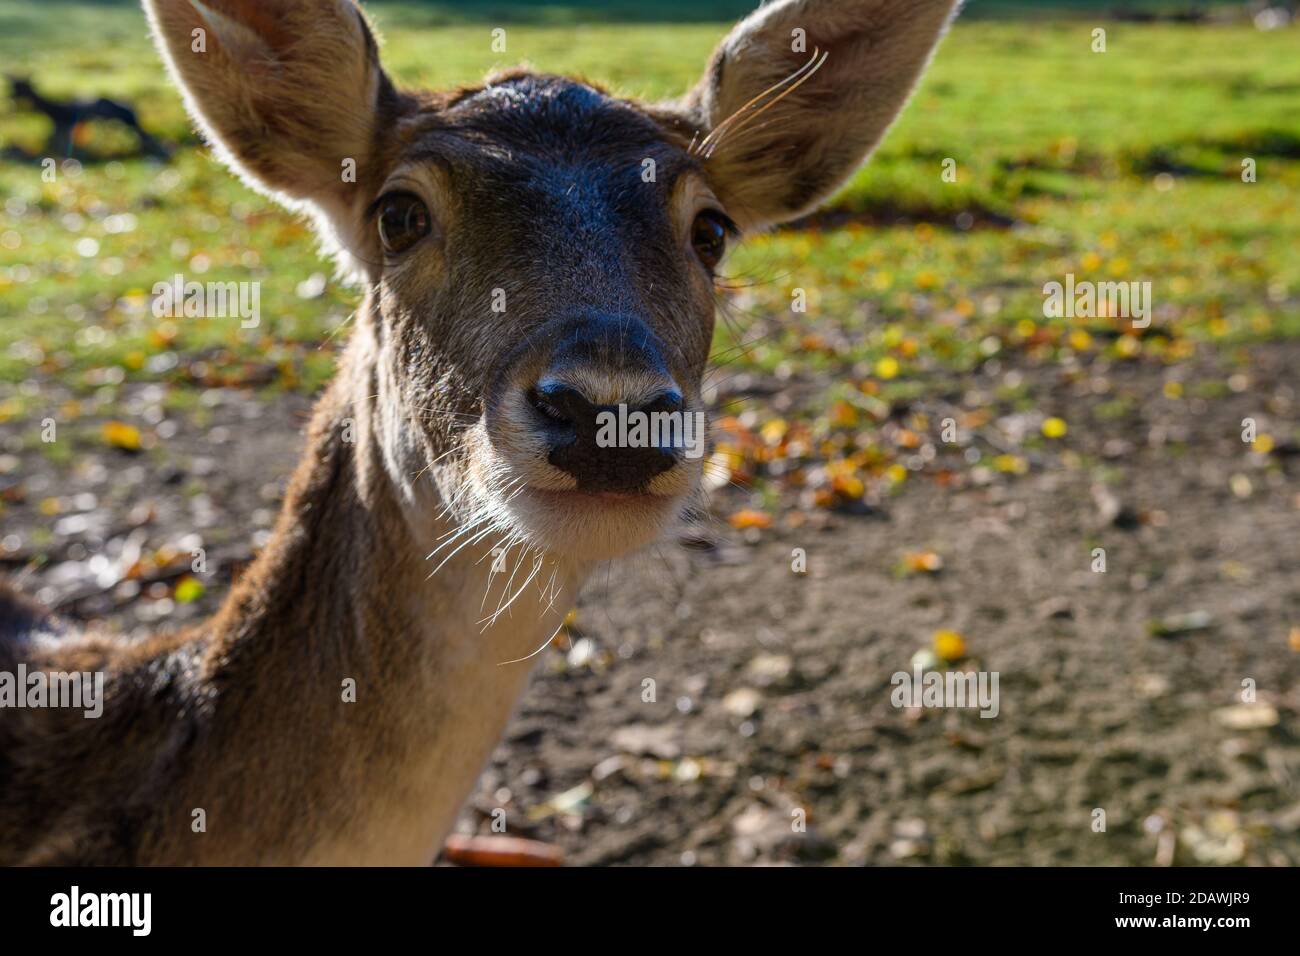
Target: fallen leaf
(769,669)
(1174,625)
(1011,464)
(927,562)
(1256,716)
(569,802)
(188,590)
(742,702)
(887,367)
(121,435)
(949,645)
(749,518)
(647,740)
(925,660)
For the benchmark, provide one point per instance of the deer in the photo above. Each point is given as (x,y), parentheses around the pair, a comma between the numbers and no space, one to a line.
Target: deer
(339,706)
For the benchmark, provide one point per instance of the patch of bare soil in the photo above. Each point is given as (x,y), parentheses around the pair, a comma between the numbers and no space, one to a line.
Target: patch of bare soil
(715,700)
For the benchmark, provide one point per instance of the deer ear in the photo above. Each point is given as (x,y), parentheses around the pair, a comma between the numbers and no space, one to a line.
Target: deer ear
(289,93)
(801,91)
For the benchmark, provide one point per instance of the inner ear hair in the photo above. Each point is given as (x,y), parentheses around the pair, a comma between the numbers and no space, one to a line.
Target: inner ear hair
(800,92)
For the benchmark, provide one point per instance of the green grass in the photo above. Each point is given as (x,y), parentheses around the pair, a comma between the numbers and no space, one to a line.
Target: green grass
(1068,145)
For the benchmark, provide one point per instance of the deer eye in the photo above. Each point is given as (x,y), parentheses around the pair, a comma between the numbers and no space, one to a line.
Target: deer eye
(403,221)
(709,237)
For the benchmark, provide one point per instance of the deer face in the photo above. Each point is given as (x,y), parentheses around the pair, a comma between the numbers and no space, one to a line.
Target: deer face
(540,255)
(546,255)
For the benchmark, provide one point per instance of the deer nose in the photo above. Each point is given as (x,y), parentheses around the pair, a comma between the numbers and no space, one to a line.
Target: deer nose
(601,445)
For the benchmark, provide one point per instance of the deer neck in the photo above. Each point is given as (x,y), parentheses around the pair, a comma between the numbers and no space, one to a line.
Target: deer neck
(376,686)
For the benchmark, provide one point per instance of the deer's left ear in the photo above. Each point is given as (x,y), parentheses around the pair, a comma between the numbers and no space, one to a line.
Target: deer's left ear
(289,93)
(801,91)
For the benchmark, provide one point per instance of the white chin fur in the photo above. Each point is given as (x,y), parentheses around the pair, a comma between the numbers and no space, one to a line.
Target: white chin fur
(586,529)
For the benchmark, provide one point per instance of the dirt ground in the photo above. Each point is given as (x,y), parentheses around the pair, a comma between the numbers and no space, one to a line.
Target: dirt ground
(772,689)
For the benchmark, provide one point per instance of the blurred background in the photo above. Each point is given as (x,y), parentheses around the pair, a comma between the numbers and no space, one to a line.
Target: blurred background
(1160,690)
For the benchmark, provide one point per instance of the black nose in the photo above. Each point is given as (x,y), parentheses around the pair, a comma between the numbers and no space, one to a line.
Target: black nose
(588,442)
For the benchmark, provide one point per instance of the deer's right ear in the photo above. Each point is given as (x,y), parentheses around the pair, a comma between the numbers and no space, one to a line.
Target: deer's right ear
(289,93)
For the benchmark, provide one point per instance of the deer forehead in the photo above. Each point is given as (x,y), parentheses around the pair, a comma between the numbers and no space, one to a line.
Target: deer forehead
(546,147)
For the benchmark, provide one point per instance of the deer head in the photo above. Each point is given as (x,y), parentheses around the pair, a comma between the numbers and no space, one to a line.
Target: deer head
(523,271)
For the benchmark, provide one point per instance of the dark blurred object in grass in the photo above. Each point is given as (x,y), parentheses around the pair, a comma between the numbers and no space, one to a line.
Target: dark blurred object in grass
(69,115)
